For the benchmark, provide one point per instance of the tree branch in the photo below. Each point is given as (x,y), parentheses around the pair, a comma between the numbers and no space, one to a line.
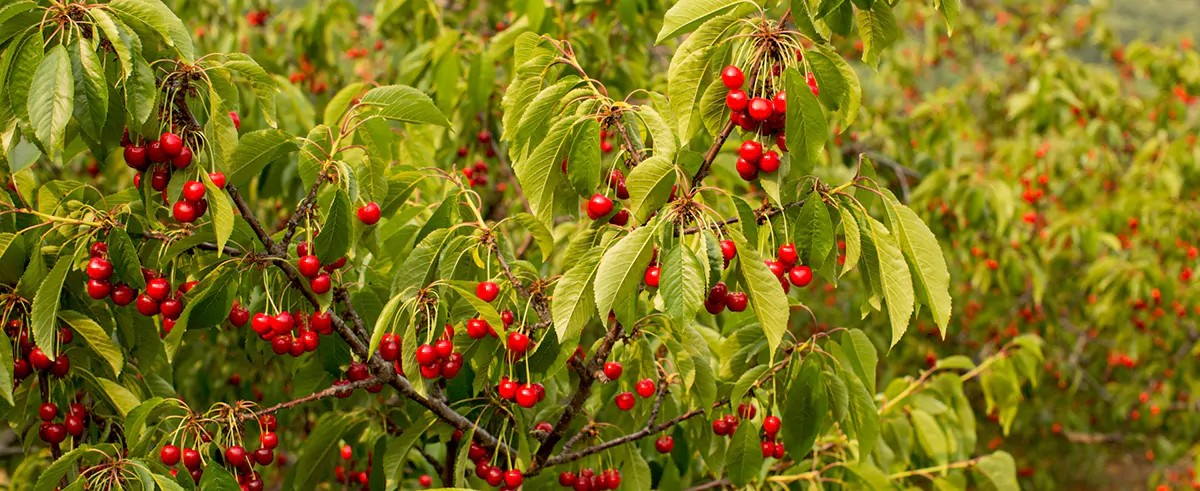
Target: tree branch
(711,155)
(637,435)
(760,214)
(302,210)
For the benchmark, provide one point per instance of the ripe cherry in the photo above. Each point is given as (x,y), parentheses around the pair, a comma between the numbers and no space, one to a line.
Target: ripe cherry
(135,157)
(347,452)
(652,276)
(369,214)
(800,276)
(444,348)
(268,440)
(751,151)
(769,162)
(527,396)
(625,401)
(760,109)
(171,144)
(612,370)
(158,289)
(720,427)
(60,366)
(321,284)
(566,479)
(235,456)
(517,342)
(787,254)
(487,290)
(746,411)
(599,206)
(389,350)
(309,266)
(218,179)
(767,448)
(99,268)
(664,444)
(732,77)
(645,388)
(737,100)
(426,355)
(122,294)
(477,328)
(98,289)
(425,480)
(621,217)
(39,359)
(779,450)
(48,411)
(718,294)
(281,344)
(282,323)
(737,301)
(191,459)
(728,249)
(746,169)
(74,425)
(264,456)
(146,305)
(449,369)
(193,191)
(171,308)
(237,121)
(322,322)
(98,249)
(513,478)
(507,389)
(169,455)
(771,425)
(260,323)
(238,315)
(184,212)
(155,153)
(183,160)
(21,369)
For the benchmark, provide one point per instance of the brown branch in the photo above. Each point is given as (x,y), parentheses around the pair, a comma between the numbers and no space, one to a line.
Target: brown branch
(315,396)
(635,436)
(711,155)
(761,215)
(303,209)
(720,483)
(634,152)
(538,306)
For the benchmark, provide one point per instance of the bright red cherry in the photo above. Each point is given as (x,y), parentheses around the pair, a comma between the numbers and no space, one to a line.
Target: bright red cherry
(444,348)
(171,308)
(477,328)
(732,77)
(664,444)
(612,370)
(98,289)
(566,479)
(779,103)
(122,294)
(771,425)
(746,411)
(169,455)
(787,254)
(652,275)
(191,459)
(369,214)
(39,359)
(260,323)
(321,284)
(527,396)
(98,249)
(155,153)
(146,305)
(767,448)
(426,355)
(389,350)
(135,157)
(158,289)
(751,151)
(759,109)
(99,268)
(646,388)
(769,162)
(282,323)
(746,169)
(425,480)
(322,322)
(218,179)
(517,342)
(172,145)
(811,80)
(737,100)
(507,389)
(599,206)
(513,478)
(800,276)
(309,266)
(268,440)
(736,301)
(237,121)
(625,401)
(487,290)
(193,191)
(235,456)
(779,450)
(184,212)
(621,217)
(73,424)
(728,249)
(183,160)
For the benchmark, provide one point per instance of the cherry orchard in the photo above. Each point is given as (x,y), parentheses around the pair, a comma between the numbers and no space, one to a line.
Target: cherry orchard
(496,290)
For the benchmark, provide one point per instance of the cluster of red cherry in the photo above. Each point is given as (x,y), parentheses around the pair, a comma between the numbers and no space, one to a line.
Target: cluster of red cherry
(438,359)
(494,475)
(290,333)
(160,157)
(235,456)
(73,422)
(157,299)
(755,114)
(344,476)
(770,427)
(525,395)
(32,357)
(588,480)
(625,400)
(787,271)
(599,206)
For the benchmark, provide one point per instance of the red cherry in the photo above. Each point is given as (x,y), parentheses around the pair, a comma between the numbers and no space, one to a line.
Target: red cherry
(238,315)
(98,249)
(811,80)
(720,427)
(787,254)
(751,151)
(625,401)
(184,212)
(599,206)
(771,425)
(477,328)
(136,158)
(781,142)
(99,268)
(191,459)
(268,440)
(732,77)
(235,456)
(736,301)
(779,103)
(281,344)
(507,317)
(282,323)
(155,153)
(309,266)
(193,191)
(606,146)
(182,160)
(260,323)
(768,449)
(513,478)
(737,100)
(645,388)
(21,369)
(566,479)
(74,425)
(487,290)
(158,289)
(171,308)
(347,452)
(443,348)
(171,144)
(389,350)
(718,294)
(237,121)
(612,370)
(728,249)
(517,342)
(620,218)
(652,275)
(48,411)
(146,305)
(759,109)
(425,480)
(450,369)
(746,169)
(218,179)
(800,276)
(60,366)
(98,289)
(746,411)
(321,284)
(527,396)
(507,389)
(426,355)
(159,180)
(769,162)
(122,294)
(169,455)
(779,450)
(664,444)
(336,265)
(369,213)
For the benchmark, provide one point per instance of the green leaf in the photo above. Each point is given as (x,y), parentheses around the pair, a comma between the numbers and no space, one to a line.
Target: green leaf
(208,307)
(838,84)
(319,447)
(853,239)
(583,165)
(398,448)
(121,398)
(574,302)
(264,86)
(540,174)
(539,113)
(377,136)
(621,271)
(636,472)
(767,299)
(421,263)
(216,478)
(682,285)
(90,91)
(862,356)
(921,248)
(222,212)
(162,20)
(124,257)
(96,338)
(51,97)
(802,16)
(745,454)
(314,152)
(930,436)
(894,278)
(44,311)
(52,475)
(864,416)
(26,61)
(686,15)
(871,476)
(487,312)
(336,108)
(806,408)
(693,63)
(118,34)
(806,128)
(257,149)
(337,232)
(541,234)
(6,371)
(878,29)
(949,10)
(956,362)
(1000,469)
(404,103)
(140,91)
(650,185)
(744,382)
(814,232)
